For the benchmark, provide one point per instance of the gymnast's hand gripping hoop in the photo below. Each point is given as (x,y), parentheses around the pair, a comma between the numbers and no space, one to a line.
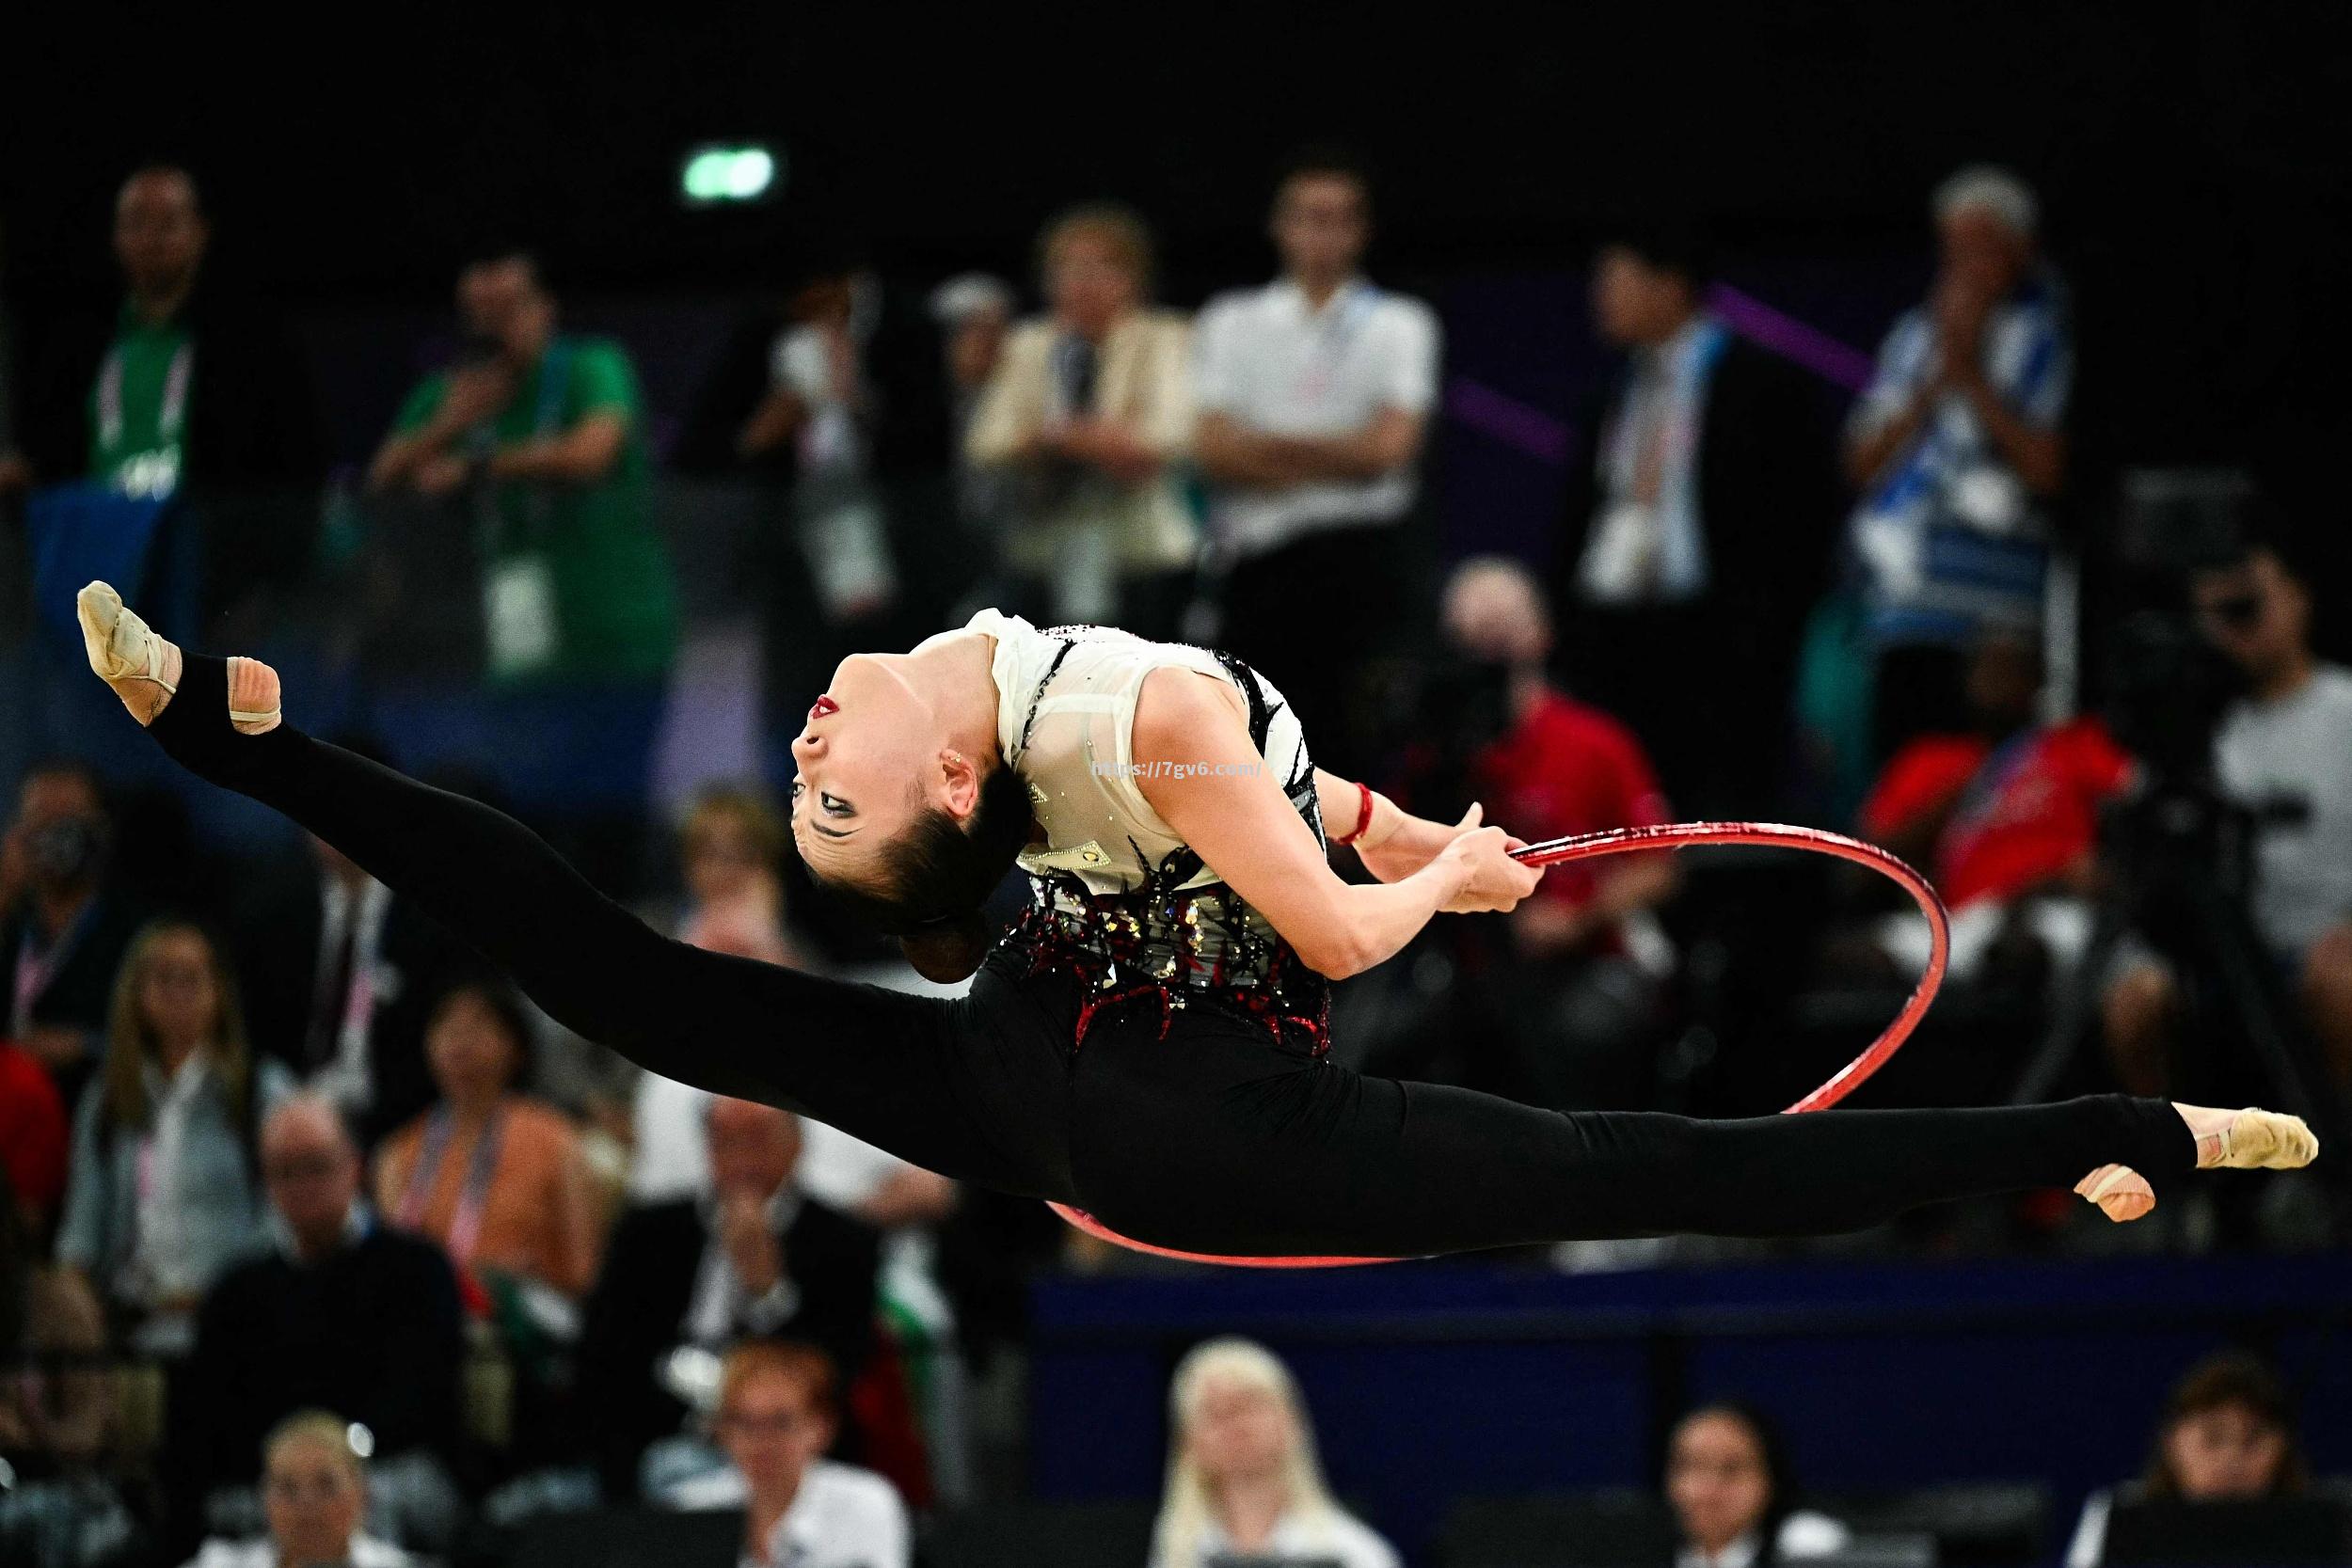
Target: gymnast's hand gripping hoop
(1682,835)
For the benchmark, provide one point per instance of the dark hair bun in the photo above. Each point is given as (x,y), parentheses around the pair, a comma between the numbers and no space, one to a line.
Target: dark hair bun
(948,952)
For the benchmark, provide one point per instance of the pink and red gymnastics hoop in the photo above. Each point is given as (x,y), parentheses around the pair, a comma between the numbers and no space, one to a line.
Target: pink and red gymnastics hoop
(1677,835)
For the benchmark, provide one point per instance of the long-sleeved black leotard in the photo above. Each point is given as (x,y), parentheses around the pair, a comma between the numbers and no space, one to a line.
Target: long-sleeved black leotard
(1210,1135)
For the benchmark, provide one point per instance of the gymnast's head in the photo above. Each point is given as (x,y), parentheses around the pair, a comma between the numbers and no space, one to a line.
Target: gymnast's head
(903,809)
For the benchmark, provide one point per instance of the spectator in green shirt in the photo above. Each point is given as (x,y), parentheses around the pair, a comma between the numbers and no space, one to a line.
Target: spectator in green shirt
(542,432)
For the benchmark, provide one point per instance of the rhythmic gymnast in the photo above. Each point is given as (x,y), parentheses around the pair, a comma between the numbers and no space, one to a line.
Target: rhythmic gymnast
(1148,1044)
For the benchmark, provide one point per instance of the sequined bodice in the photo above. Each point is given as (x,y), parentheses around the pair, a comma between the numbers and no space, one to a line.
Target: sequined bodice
(1116,897)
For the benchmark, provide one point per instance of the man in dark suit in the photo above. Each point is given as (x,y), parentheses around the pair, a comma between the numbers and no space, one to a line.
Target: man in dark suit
(1697,534)
(344,1314)
(750,1257)
(338,977)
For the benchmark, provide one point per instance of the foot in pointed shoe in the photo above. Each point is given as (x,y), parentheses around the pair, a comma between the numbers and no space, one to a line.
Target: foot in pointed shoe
(2121,1193)
(2249,1139)
(142,668)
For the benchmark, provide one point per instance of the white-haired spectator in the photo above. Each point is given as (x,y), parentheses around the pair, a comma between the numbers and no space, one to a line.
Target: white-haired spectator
(315,1492)
(1955,447)
(1243,1478)
(973,313)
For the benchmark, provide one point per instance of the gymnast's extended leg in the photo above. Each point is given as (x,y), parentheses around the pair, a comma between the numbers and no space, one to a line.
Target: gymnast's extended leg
(897,1070)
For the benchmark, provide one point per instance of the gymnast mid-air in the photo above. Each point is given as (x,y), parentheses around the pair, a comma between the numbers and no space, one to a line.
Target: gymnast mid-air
(1146,1047)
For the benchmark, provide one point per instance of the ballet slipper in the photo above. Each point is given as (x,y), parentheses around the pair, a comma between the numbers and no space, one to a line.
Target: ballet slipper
(253,696)
(2249,1139)
(124,652)
(2121,1193)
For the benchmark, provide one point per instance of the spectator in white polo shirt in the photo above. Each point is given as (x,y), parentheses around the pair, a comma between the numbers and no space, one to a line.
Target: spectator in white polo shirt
(1314,393)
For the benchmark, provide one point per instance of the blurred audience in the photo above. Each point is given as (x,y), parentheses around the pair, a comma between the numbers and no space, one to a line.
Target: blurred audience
(1315,393)
(1243,1478)
(1089,412)
(315,1492)
(33,1138)
(162,1196)
(776,1415)
(55,1413)
(343,1313)
(188,384)
(63,925)
(2227,1436)
(497,1178)
(1559,996)
(973,312)
(336,976)
(2006,814)
(1958,448)
(1695,525)
(1732,1496)
(542,434)
(755,1257)
(2281,754)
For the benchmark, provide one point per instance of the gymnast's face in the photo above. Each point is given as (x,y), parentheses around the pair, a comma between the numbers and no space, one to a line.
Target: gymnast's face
(869,759)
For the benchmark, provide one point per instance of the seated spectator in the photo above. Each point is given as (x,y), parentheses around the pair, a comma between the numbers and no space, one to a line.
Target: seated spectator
(315,1490)
(1696,530)
(32,1138)
(1728,1482)
(344,1314)
(2227,1436)
(1957,446)
(163,1196)
(338,975)
(1316,391)
(2006,814)
(776,1416)
(1090,412)
(973,311)
(495,1177)
(2281,754)
(753,1257)
(1562,987)
(53,1415)
(1243,1481)
(62,925)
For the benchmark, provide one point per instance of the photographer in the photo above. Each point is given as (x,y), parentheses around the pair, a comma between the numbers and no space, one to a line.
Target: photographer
(1561,989)
(2285,753)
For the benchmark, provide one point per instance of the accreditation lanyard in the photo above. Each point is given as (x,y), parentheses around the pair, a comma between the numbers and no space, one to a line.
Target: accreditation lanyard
(34,969)
(555,374)
(464,1226)
(170,417)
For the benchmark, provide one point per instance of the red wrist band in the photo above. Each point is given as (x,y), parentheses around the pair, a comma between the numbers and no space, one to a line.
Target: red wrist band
(1363,817)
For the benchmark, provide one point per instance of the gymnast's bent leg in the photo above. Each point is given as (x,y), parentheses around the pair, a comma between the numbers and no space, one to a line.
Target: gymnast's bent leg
(888,1066)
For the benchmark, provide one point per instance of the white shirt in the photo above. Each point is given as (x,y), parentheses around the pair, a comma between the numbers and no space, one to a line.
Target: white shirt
(721,1296)
(1265,358)
(366,1552)
(1332,1535)
(841,1517)
(1646,553)
(344,1076)
(164,1257)
(2296,753)
(1803,1534)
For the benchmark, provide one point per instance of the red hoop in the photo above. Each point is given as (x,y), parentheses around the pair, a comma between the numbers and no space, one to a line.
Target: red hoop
(1680,835)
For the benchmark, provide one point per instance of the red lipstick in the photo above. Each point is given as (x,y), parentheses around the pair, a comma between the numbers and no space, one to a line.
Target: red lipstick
(822,706)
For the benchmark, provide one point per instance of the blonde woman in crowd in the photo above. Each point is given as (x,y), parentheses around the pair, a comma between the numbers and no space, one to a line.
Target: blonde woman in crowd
(1243,1479)
(1089,413)
(314,1491)
(163,1194)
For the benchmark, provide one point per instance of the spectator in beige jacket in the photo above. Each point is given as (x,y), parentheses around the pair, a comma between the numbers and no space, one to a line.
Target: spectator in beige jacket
(1089,413)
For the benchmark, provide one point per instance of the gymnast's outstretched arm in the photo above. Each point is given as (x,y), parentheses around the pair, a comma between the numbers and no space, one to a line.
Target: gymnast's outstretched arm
(1217,791)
